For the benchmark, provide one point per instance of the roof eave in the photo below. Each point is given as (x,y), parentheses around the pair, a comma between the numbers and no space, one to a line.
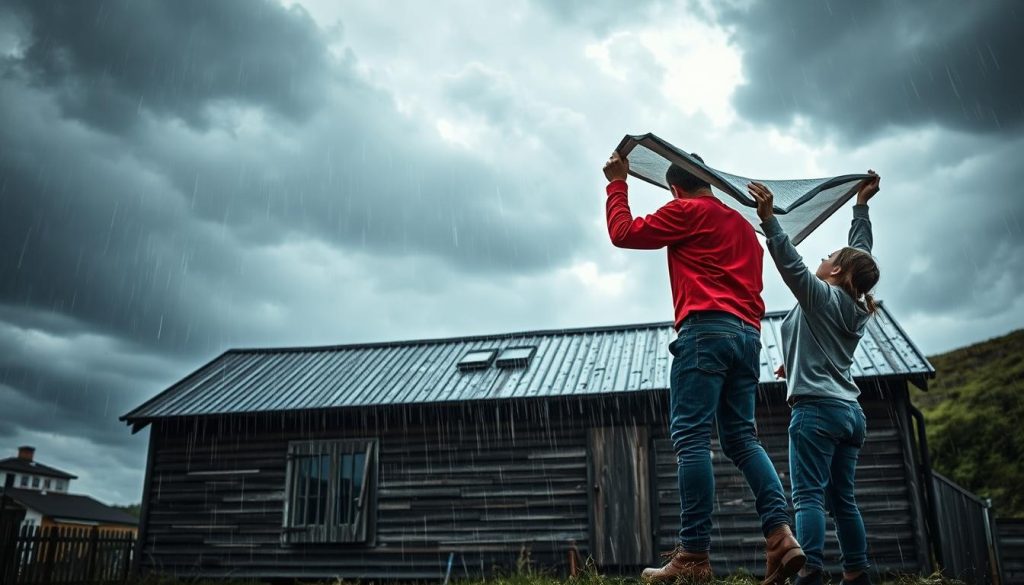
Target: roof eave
(930,373)
(128,416)
(139,423)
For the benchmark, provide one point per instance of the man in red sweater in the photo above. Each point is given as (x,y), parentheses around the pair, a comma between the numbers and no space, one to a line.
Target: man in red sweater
(714,266)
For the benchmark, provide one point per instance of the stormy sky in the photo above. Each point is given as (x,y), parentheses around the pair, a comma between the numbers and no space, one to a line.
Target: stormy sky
(179,178)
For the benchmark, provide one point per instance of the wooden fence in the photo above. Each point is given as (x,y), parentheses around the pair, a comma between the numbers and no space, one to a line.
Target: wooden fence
(64,555)
(967,538)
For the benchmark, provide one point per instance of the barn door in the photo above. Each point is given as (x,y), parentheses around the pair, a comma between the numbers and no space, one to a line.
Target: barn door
(620,496)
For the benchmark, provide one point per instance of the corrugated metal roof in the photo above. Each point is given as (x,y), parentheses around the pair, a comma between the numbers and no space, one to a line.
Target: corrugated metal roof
(590,361)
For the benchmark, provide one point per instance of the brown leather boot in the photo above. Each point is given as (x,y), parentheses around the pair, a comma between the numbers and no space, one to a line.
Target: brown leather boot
(682,566)
(785,557)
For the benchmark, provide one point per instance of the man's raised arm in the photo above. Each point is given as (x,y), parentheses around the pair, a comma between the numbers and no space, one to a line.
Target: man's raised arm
(663,227)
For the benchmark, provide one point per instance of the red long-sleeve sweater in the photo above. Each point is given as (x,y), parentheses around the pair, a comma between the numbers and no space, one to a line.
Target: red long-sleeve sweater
(714,258)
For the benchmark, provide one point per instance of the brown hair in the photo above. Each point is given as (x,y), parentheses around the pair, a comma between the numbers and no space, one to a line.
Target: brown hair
(859,274)
(679,177)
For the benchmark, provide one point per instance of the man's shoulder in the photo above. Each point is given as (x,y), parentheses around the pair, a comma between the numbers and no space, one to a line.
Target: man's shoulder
(683,206)
(712,204)
(724,214)
(703,204)
(713,211)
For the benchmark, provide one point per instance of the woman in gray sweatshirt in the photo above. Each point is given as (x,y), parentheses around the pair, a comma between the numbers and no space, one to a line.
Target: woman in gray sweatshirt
(819,337)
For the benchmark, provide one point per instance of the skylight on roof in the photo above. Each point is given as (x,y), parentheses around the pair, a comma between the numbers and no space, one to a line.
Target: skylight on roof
(477,359)
(515,357)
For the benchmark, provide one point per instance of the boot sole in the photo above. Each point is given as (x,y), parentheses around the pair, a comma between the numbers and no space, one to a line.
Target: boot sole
(792,562)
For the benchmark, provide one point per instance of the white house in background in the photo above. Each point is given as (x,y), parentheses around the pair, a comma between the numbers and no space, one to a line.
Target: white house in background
(42,492)
(30,475)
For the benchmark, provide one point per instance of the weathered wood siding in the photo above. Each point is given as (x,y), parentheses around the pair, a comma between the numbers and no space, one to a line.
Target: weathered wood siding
(484,491)
(491,482)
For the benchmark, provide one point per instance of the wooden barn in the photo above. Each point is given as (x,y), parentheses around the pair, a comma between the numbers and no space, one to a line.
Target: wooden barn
(410,459)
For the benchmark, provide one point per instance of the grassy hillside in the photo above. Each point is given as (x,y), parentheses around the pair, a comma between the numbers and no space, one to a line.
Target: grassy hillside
(974,411)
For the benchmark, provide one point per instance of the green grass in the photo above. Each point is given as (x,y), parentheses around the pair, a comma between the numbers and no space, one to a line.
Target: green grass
(590,576)
(526,573)
(974,410)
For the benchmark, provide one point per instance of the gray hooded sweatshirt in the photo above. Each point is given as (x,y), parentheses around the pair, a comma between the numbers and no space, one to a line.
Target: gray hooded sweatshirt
(821,333)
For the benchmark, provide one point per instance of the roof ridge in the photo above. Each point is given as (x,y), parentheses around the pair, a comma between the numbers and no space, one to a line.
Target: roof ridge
(455,339)
(17,464)
(466,338)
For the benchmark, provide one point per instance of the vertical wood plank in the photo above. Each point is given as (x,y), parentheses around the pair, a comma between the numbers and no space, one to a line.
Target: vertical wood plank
(597,498)
(92,548)
(622,510)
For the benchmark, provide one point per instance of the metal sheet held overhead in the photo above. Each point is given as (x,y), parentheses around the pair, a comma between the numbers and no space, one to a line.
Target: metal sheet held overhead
(801,205)
(567,362)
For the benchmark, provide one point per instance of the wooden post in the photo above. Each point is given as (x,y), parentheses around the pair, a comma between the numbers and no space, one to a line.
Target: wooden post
(129,548)
(49,553)
(992,543)
(90,570)
(3,526)
(21,547)
(7,535)
(573,567)
(147,481)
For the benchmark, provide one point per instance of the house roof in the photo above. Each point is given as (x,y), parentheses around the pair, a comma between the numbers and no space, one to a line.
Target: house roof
(71,507)
(590,361)
(21,466)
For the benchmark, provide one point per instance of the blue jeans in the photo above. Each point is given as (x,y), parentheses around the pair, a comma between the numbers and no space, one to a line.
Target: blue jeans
(825,437)
(714,377)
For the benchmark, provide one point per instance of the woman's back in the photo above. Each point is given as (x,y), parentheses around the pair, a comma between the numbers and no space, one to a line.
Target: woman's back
(818,346)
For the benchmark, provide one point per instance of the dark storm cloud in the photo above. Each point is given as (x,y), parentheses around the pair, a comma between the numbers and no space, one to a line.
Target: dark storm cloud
(859,67)
(179,178)
(75,384)
(107,60)
(85,235)
(157,169)
(129,232)
(944,79)
(967,240)
(362,176)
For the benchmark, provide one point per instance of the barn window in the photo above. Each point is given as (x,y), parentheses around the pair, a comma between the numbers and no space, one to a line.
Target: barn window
(515,357)
(477,359)
(331,491)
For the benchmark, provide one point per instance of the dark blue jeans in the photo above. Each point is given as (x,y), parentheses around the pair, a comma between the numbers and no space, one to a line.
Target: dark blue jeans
(825,437)
(714,377)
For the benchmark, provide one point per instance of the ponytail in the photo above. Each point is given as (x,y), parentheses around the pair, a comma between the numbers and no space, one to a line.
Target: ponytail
(859,275)
(870,303)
